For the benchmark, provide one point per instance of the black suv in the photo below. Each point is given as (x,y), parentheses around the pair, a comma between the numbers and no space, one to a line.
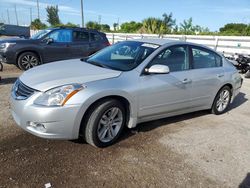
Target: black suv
(51,45)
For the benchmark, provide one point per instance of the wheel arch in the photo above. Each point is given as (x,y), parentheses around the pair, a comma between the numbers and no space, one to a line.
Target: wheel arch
(33,51)
(226,84)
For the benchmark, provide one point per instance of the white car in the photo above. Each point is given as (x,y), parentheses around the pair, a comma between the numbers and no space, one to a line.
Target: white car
(122,85)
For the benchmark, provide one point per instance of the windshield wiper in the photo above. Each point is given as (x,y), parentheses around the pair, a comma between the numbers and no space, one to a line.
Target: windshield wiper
(97,64)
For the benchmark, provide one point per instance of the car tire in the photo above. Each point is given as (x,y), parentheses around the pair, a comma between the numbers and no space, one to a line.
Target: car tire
(104,123)
(222,101)
(27,60)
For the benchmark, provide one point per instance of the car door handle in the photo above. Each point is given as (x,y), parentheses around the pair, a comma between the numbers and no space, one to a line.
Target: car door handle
(186,81)
(220,75)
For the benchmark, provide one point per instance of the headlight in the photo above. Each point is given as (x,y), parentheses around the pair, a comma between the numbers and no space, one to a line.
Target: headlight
(58,96)
(6,45)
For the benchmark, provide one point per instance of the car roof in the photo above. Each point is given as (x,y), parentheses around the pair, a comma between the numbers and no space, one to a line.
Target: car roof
(75,28)
(161,42)
(157,41)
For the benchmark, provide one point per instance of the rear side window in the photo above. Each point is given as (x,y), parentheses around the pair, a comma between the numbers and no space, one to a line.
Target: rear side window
(203,58)
(95,37)
(81,36)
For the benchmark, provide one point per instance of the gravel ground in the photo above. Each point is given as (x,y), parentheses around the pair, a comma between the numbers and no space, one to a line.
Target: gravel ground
(192,150)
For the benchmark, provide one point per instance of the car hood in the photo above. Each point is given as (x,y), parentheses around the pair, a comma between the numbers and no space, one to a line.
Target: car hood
(59,73)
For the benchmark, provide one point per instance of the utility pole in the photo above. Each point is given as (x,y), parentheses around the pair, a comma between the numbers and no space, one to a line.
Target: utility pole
(8,16)
(16,16)
(38,11)
(99,19)
(2,18)
(30,15)
(118,23)
(82,13)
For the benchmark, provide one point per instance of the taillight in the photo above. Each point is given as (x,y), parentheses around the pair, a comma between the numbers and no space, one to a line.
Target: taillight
(107,43)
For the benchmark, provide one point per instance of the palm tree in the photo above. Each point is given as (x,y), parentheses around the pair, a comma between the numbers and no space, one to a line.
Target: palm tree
(187,26)
(169,21)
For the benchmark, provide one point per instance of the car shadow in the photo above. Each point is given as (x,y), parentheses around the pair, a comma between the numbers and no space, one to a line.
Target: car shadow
(246,182)
(5,81)
(238,101)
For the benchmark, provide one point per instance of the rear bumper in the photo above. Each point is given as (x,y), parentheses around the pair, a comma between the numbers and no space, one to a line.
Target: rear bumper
(236,91)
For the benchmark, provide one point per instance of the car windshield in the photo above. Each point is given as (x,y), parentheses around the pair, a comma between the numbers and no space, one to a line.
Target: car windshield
(40,34)
(123,56)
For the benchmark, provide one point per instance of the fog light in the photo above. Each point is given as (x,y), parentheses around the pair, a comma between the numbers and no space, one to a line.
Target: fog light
(37,126)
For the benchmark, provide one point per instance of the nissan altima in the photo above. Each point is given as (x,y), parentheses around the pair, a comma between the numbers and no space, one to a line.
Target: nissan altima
(122,85)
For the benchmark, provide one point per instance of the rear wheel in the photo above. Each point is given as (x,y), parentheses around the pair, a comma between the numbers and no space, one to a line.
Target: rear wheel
(222,101)
(105,123)
(27,60)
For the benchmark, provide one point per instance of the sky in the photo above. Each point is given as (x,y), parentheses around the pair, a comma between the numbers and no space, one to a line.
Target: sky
(207,13)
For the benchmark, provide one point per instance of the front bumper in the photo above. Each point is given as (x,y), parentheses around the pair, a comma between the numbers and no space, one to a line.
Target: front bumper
(46,122)
(3,59)
(7,57)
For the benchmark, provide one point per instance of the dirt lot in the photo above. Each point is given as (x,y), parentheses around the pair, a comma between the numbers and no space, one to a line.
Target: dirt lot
(193,150)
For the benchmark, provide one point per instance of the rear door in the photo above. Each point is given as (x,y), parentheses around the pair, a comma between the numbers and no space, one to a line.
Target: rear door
(207,75)
(80,46)
(59,49)
(96,42)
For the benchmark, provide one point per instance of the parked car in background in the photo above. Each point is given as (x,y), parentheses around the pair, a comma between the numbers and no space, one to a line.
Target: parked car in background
(14,30)
(51,45)
(127,83)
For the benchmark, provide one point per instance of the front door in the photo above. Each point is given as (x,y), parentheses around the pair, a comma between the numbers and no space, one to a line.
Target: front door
(166,93)
(60,48)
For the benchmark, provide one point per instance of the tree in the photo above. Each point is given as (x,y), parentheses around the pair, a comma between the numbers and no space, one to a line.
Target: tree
(69,24)
(52,15)
(131,27)
(234,29)
(169,21)
(187,27)
(105,28)
(37,24)
(93,25)
(154,26)
(115,25)
(159,26)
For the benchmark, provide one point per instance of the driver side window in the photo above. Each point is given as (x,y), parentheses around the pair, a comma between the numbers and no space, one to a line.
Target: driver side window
(62,35)
(175,57)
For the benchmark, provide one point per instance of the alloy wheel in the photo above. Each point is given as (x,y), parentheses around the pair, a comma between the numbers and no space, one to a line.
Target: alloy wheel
(29,61)
(223,100)
(110,124)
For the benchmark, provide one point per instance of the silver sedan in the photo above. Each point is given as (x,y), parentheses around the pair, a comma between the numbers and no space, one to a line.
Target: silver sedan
(125,84)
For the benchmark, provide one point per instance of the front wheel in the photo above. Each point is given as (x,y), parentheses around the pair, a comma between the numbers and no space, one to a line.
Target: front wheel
(105,123)
(27,60)
(222,101)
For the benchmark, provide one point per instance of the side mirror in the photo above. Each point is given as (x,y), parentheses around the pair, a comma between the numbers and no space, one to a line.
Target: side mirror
(158,69)
(50,40)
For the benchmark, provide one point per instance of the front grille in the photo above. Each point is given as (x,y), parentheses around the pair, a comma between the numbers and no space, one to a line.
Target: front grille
(21,91)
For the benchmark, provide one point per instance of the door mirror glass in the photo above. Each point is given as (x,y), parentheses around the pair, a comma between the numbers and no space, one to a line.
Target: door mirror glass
(50,40)
(158,69)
